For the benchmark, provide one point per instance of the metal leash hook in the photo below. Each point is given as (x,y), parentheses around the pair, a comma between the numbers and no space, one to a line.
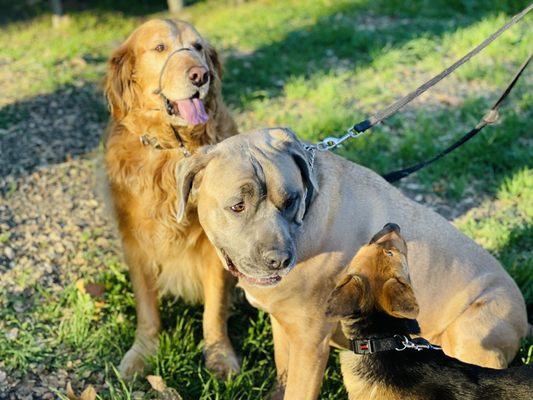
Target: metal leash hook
(332,142)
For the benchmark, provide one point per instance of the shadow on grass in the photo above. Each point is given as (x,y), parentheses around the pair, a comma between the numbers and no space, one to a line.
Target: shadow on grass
(51,128)
(67,123)
(13,11)
(349,38)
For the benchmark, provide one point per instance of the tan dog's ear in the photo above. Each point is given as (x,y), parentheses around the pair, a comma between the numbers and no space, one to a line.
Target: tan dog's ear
(186,171)
(398,299)
(347,298)
(287,140)
(214,60)
(120,83)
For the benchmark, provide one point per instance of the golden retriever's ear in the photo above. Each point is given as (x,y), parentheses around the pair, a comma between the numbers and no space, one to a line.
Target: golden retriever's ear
(186,171)
(398,299)
(120,84)
(348,298)
(214,60)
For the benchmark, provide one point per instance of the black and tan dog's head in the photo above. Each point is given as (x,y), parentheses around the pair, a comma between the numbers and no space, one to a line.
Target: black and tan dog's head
(377,279)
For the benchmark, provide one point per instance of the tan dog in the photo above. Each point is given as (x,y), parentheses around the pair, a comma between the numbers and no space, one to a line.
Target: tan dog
(376,306)
(259,204)
(163,88)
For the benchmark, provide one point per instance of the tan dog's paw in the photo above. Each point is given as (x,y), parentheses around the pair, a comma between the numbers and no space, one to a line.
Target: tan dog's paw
(221,360)
(133,362)
(277,392)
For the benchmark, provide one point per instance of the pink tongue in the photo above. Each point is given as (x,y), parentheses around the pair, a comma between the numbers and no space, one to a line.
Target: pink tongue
(193,111)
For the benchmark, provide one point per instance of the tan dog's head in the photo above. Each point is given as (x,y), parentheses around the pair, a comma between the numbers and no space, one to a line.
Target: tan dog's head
(163,66)
(377,279)
(254,193)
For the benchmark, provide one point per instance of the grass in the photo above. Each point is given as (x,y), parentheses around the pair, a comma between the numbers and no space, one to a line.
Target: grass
(318,67)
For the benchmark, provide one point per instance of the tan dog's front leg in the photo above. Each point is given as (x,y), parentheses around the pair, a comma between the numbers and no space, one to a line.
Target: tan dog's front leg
(281,357)
(219,354)
(307,361)
(143,279)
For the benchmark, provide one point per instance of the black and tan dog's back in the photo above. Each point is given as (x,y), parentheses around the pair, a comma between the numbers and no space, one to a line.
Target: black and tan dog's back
(377,308)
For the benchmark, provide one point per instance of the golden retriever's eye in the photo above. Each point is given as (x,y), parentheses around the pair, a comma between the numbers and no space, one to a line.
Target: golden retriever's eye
(160,47)
(389,253)
(238,208)
(198,46)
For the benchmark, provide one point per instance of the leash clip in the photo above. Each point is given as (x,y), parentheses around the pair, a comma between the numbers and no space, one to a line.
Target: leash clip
(332,142)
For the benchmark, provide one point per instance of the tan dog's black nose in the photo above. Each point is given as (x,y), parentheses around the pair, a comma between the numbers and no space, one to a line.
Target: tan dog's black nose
(278,259)
(198,76)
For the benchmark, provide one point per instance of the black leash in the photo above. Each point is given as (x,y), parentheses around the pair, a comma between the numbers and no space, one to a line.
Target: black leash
(489,118)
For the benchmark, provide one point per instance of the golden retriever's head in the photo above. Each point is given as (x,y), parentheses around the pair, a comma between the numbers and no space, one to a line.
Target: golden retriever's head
(164,66)
(377,279)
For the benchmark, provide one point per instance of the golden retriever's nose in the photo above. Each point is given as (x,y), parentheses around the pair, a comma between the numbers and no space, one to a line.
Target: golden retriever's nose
(198,76)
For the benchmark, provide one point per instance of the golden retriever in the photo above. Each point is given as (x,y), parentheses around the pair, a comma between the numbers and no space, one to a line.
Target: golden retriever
(163,88)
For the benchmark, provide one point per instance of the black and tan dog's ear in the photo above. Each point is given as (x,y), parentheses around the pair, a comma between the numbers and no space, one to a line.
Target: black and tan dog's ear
(186,171)
(398,299)
(389,237)
(120,83)
(347,298)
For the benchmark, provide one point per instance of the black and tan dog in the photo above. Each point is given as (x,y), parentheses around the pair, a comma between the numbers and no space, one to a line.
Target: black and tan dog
(377,307)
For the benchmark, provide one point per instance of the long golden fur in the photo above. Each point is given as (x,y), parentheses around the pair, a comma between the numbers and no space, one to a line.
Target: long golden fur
(163,255)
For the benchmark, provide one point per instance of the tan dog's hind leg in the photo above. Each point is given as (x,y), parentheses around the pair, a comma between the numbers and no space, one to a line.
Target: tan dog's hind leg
(217,283)
(307,362)
(143,279)
(479,337)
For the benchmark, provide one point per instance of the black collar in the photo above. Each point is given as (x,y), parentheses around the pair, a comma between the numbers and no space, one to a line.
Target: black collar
(397,342)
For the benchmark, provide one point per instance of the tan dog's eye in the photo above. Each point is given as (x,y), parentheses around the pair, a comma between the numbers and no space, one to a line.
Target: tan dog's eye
(238,208)
(160,47)
(198,46)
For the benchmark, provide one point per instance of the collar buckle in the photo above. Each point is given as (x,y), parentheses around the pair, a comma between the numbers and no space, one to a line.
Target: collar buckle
(362,346)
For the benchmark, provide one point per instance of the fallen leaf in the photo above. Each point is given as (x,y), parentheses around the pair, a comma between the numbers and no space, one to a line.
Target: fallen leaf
(80,285)
(157,383)
(95,289)
(163,392)
(88,394)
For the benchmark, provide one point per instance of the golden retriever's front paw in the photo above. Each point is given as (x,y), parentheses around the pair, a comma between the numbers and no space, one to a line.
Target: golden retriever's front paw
(133,362)
(221,360)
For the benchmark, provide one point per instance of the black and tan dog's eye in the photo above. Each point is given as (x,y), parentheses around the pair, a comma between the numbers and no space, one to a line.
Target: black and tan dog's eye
(160,47)
(238,208)
(198,46)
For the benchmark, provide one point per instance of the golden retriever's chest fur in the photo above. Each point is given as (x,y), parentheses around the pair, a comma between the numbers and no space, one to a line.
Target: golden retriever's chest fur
(143,191)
